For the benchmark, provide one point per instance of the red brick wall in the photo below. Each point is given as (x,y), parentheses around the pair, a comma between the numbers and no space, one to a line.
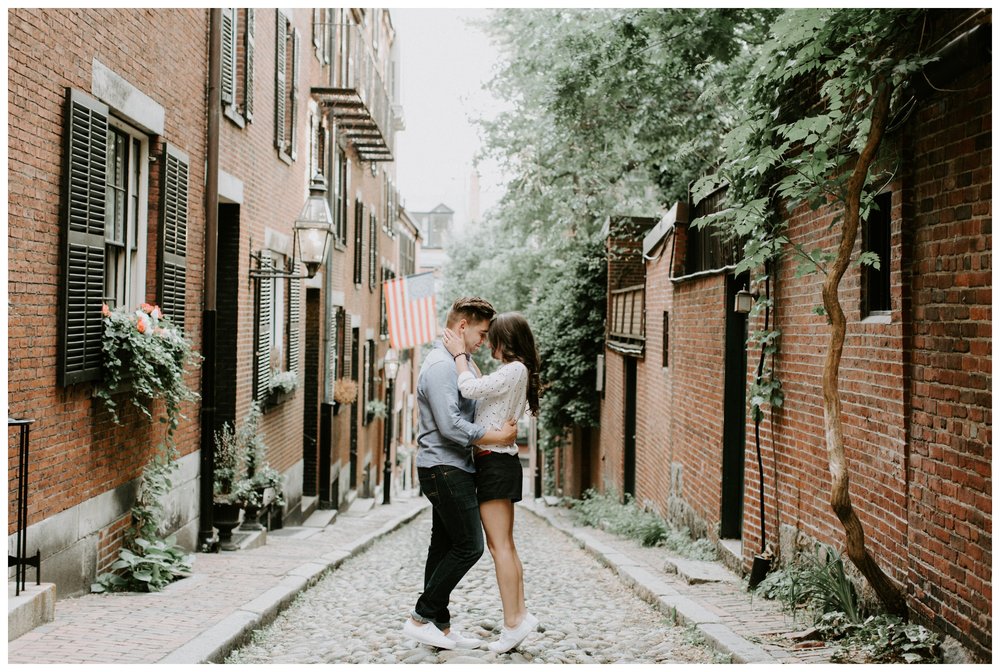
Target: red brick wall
(75,452)
(915,386)
(949,568)
(654,389)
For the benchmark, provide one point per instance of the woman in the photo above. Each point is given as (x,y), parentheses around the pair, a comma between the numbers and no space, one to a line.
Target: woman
(502,395)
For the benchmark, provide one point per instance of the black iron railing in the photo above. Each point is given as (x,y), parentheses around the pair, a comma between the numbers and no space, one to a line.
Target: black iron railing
(20,559)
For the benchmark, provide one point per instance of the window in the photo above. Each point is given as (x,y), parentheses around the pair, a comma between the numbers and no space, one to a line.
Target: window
(437,230)
(383,331)
(666,339)
(125,240)
(369,380)
(407,255)
(876,238)
(335,348)
(319,135)
(106,178)
(277,329)
(372,251)
(238,64)
(286,87)
(341,168)
(323,34)
(359,240)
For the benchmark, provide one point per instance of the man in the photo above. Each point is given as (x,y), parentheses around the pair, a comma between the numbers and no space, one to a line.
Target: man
(445,469)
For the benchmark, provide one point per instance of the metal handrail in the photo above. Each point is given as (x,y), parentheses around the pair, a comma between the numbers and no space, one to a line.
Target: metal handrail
(20,560)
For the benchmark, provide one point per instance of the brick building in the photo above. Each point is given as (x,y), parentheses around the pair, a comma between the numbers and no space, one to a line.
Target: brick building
(125,157)
(915,378)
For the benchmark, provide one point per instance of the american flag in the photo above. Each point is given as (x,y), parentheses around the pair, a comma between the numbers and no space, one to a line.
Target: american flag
(410,310)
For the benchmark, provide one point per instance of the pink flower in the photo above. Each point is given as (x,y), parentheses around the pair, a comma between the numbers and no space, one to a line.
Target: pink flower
(157,313)
(105,311)
(147,308)
(141,326)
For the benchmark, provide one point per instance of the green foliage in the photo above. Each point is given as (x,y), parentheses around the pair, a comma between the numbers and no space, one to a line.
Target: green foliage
(148,562)
(153,565)
(241,471)
(611,112)
(603,510)
(887,639)
(145,354)
(817,583)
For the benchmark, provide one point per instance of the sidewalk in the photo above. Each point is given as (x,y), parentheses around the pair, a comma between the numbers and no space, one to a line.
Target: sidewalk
(703,595)
(202,618)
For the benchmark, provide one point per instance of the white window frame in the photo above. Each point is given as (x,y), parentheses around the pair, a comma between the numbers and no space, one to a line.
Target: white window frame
(132,267)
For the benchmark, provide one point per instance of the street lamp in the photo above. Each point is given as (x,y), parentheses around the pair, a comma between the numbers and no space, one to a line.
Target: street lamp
(313,230)
(390,366)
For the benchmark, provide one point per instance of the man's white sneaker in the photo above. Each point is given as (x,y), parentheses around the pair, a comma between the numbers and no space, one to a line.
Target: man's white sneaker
(511,637)
(427,633)
(463,641)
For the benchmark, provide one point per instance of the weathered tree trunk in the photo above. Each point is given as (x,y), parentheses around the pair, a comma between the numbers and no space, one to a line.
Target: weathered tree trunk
(840,497)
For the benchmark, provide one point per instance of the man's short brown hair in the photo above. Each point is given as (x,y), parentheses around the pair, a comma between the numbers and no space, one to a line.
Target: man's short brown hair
(472,308)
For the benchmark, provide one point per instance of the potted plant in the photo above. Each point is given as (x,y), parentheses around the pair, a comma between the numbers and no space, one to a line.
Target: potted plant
(281,387)
(145,356)
(345,391)
(375,409)
(261,486)
(229,469)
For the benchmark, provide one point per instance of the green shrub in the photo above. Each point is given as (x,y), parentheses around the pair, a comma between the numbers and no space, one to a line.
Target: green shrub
(629,520)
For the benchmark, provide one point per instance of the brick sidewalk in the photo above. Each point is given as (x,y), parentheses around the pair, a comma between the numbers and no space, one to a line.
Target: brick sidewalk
(751,630)
(202,617)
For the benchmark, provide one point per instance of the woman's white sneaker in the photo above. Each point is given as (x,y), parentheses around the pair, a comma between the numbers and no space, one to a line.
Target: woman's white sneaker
(511,637)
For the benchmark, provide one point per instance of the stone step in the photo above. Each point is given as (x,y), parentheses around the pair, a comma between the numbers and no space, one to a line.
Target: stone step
(34,606)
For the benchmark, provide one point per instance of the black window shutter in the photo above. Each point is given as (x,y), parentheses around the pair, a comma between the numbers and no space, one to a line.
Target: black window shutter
(262,373)
(359,240)
(83,260)
(248,70)
(228,56)
(172,267)
(296,49)
(279,82)
(372,250)
(294,309)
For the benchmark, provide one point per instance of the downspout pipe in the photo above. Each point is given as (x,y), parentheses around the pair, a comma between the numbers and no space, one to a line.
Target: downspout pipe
(208,541)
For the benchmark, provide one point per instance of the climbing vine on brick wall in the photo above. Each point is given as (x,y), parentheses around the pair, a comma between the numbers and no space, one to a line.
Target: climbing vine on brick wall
(824,91)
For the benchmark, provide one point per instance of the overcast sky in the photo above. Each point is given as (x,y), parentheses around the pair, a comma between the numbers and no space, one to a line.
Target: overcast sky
(444,61)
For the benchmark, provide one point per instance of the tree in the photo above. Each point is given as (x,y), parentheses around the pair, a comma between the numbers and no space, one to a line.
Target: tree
(611,112)
(818,103)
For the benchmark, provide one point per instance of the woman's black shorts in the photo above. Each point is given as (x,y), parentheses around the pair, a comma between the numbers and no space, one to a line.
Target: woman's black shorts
(498,476)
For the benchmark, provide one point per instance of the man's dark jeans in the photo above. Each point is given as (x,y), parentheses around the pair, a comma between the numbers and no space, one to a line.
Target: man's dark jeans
(456,539)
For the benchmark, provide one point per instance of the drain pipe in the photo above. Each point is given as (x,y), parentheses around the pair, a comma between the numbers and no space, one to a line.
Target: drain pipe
(761,561)
(208,541)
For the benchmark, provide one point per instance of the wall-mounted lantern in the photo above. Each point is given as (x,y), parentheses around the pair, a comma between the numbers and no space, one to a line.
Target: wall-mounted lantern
(313,231)
(744,301)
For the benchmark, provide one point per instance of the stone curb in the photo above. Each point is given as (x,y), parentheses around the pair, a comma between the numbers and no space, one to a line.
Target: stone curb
(660,594)
(214,644)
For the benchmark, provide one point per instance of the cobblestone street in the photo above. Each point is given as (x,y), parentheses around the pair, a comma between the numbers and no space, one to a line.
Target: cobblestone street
(355,613)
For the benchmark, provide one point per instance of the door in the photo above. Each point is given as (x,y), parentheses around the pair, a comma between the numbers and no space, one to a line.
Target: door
(630,412)
(311,395)
(355,346)
(734,414)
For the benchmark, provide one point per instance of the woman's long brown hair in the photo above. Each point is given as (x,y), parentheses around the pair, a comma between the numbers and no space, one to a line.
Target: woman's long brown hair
(511,334)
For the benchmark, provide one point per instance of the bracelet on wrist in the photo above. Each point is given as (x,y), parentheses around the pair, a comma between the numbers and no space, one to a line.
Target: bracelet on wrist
(454,357)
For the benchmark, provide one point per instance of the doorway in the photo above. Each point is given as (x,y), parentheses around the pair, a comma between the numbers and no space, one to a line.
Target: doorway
(628,476)
(734,413)
(355,346)
(310,389)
